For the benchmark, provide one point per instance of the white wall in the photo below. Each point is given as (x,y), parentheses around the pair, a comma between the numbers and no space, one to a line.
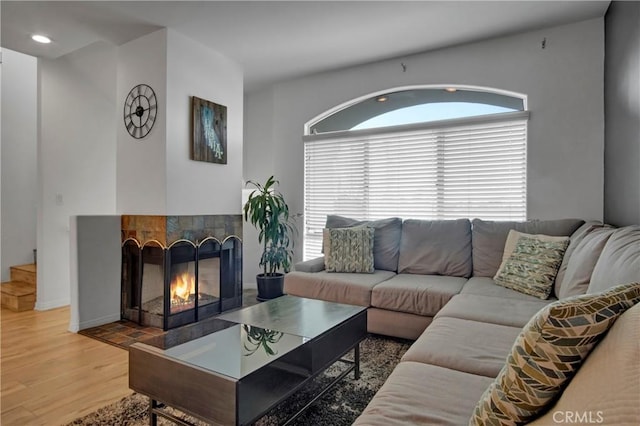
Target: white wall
(77,152)
(19,159)
(622,114)
(141,164)
(196,187)
(564,84)
(155,174)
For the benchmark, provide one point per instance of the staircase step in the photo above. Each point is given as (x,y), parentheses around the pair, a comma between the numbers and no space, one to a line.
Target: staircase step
(18,296)
(24,273)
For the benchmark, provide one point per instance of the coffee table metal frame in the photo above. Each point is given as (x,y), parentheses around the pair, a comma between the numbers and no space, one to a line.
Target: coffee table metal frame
(214,397)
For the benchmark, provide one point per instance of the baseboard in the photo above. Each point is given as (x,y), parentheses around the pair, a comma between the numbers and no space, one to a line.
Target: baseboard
(75,327)
(51,304)
(253,286)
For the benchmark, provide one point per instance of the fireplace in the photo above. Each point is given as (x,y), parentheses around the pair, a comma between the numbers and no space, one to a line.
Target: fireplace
(167,286)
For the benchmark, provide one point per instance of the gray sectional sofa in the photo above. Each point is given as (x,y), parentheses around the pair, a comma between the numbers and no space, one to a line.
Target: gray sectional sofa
(434,283)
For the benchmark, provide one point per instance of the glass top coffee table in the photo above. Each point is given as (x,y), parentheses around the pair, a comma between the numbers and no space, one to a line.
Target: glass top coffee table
(234,368)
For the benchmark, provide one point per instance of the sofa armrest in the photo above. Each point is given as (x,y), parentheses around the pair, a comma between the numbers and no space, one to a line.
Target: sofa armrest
(313,265)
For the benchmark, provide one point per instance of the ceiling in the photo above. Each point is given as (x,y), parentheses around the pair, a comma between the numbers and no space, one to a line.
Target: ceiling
(274,41)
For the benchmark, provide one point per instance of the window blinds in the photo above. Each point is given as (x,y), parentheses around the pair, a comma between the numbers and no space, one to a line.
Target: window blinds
(443,170)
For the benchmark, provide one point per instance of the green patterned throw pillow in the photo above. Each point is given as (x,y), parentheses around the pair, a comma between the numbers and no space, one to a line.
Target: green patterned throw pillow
(349,249)
(547,354)
(532,266)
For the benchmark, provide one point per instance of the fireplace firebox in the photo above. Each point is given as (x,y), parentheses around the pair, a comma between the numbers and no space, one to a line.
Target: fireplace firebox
(167,286)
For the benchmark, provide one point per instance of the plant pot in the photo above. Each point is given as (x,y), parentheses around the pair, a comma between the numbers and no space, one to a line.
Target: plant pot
(269,286)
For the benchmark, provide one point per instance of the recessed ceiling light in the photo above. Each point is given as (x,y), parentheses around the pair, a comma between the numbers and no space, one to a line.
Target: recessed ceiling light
(451,89)
(382,98)
(40,38)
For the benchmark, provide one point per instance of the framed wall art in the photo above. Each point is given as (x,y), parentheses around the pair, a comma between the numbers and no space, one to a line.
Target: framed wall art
(209,140)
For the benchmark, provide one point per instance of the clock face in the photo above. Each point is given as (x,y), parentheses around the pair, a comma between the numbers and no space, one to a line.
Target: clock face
(140,111)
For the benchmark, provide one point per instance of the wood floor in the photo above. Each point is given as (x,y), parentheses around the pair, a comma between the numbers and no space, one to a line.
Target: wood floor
(50,376)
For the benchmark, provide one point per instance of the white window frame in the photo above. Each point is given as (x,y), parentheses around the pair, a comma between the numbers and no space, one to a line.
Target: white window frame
(311,123)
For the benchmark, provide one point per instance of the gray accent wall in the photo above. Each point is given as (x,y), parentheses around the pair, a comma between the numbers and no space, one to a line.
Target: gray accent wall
(563,82)
(96,256)
(622,114)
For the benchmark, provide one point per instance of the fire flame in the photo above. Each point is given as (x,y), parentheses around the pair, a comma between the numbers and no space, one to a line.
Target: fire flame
(182,287)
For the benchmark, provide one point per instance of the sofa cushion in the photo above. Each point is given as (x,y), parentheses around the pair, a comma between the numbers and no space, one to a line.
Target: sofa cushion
(423,394)
(489,237)
(532,266)
(619,261)
(349,249)
(353,289)
(470,346)
(386,242)
(311,265)
(397,324)
(436,247)
(494,310)
(487,287)
(607,385)
(575,239)
(583,260)
(548,352)
(416,294)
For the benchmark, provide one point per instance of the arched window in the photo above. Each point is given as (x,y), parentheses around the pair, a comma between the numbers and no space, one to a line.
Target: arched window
(423,153)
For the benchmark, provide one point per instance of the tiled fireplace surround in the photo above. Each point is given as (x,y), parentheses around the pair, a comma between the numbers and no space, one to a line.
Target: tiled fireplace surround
(168,229)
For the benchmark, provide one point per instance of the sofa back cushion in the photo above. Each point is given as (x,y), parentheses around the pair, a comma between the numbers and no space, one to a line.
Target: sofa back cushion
(575,239)
(436,247)
(619,261)
(386,239)
(489,237)
(606,387)
(582,261)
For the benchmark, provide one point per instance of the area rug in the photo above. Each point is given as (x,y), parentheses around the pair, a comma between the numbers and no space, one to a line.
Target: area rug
(340,406)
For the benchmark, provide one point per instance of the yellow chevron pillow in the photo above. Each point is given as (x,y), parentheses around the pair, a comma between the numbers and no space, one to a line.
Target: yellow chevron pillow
(548,352)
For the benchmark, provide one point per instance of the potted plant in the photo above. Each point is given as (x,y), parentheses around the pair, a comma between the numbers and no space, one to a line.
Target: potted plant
(261,338)
(267,210)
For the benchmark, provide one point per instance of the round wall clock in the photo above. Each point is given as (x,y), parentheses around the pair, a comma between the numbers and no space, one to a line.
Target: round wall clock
(140,111)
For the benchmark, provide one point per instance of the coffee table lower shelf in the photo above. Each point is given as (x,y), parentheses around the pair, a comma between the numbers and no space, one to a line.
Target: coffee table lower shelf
(158,409)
